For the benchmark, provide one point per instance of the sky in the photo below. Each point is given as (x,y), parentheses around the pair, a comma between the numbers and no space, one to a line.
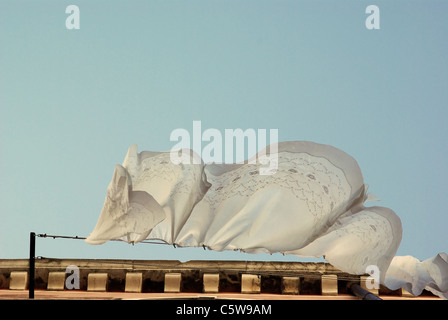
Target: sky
(72,101)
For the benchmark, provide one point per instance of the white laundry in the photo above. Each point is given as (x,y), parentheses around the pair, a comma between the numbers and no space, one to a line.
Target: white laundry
(313,206)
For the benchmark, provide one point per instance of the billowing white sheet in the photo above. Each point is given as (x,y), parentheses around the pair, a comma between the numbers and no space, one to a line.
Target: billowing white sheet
(414,275)
(311,205)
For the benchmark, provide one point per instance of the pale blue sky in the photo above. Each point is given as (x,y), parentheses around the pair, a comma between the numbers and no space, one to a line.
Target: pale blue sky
(72,101)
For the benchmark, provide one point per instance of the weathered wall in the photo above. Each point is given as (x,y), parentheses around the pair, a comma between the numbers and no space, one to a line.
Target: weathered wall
(192,272)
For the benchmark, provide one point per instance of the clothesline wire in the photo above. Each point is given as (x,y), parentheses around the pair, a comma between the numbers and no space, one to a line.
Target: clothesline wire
(44,235)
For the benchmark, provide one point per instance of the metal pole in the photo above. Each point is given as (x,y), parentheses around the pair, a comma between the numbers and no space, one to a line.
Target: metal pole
(362,293)
(32,264)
